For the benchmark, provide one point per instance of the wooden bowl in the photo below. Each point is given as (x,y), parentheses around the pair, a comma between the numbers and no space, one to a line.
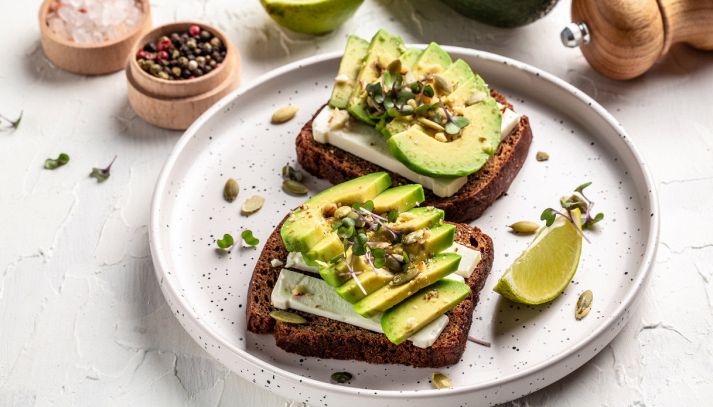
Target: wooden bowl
(90,59)
(175,104)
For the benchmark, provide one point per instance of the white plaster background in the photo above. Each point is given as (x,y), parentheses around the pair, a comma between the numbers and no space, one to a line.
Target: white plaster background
(82,320)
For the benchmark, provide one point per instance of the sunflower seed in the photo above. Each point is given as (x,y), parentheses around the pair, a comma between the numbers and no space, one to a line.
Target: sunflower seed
(430,124)
(584,305)
(252,204)
(231,190)
(441,381)
(525,227)
(404,276)
(542,156)
(294,187)
(341,377)
(287,317)
(283,114)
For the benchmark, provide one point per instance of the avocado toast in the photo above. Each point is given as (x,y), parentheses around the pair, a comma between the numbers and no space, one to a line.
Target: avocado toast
(372,276)
(421,117)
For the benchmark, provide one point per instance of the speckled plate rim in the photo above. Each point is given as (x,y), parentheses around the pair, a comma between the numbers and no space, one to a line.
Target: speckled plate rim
(168,285)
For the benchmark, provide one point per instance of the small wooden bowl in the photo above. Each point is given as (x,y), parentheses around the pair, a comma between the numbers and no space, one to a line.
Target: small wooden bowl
(175,104)
(90,59)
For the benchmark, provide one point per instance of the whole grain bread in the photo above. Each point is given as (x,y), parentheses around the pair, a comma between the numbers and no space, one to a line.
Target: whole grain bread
(325,338)
(482,189)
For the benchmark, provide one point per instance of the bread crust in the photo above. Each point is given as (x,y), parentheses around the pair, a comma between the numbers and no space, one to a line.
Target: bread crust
(325,338)
(482,189)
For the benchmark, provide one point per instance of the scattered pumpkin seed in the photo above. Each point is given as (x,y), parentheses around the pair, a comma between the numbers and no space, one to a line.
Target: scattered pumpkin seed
(231,190)
(441,381)
(284,114)
(287,317)
(299,290)
(584,305)
(525,227)
(404,276)
(542,156)
(430,124)
(441,137)
(252,204)
(442,84)
(475,98)
(341,377)
(342,212)
(414,237)
(294,187)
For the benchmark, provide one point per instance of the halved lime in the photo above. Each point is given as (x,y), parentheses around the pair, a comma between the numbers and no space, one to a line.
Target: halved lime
(546,267)
(310,16)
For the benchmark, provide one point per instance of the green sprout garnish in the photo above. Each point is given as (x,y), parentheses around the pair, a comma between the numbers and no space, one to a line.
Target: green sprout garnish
(226,242)
(248,238)
(54,163)
(578,200)
(102,174)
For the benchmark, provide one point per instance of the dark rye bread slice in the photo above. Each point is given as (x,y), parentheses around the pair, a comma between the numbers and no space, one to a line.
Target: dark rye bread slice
(482,189)
(326,338)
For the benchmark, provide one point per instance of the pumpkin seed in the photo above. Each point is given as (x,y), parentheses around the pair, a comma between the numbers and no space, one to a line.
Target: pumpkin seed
(414,237)
(542,156)
(525,227)
(475,98)
(276,263)
(441,381)
(299,290)
(294,187)
(430,124)
(584,305)
(342,212)
(287,317)
(404,276)
(441,137)
(231,190)
(252,204)
(284,114)
(442,84)
(341,377)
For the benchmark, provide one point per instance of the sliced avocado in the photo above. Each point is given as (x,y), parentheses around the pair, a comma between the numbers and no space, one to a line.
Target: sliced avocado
(389,295)
(463,156)
(306,226)
(383,50)
(349,67)
(401,198)
(408,317)
(468,93)
(395,126)
(458,73)
(335,274)
(409,58)
(370,280)
(417,218)
(438,238)
(433,60)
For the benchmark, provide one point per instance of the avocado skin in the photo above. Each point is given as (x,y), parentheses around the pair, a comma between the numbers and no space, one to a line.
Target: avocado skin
(408,317)
(503,13)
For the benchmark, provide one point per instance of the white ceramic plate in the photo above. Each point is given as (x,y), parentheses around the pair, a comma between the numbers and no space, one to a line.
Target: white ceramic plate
(531,346)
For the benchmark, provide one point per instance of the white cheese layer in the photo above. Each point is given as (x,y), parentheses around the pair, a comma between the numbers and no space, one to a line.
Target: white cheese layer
(469,260)
(365,142)
(321,299)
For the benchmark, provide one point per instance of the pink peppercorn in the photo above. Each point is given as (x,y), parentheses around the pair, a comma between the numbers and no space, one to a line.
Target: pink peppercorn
(194,30)
(162,55)
(164,44)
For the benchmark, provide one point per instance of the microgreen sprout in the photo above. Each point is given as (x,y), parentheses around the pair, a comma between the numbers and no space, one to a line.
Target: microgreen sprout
(54,163)
(226,242)
(248,238)
(13,123)
(102,174)
(578,200)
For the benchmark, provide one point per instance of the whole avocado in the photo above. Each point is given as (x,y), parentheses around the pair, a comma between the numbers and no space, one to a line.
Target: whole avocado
(503,13)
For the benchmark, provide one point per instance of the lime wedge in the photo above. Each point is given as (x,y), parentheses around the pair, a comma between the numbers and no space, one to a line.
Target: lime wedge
(310,16)
(546,267)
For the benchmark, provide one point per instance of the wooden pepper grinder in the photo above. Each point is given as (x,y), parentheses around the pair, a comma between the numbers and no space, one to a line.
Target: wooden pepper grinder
(622,39)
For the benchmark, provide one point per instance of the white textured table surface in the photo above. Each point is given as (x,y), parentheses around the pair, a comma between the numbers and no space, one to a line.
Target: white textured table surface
(82,320)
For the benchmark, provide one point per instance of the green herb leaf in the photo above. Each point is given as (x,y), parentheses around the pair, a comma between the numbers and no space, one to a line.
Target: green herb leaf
(452,128)
(248,238)
(582,187)
(51,164)
(428,91)
(460,121)
(102,174)
(388,79)
(415,87)
(392,215)
(378,256)
(406,110)
(589,223)
(346,228)
(548,215)
(226,242)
